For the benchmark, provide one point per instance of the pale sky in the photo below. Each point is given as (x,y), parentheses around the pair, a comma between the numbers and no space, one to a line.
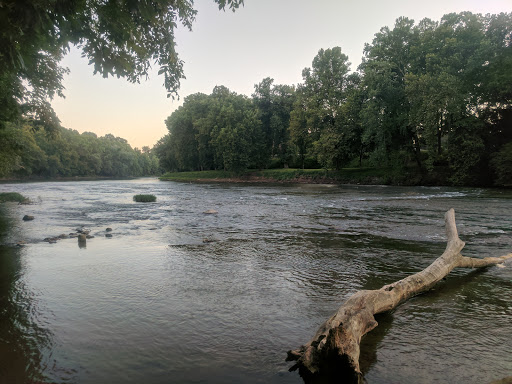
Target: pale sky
(265,38)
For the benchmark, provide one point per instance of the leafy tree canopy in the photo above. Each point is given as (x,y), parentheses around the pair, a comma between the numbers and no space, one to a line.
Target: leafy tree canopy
(29,153)
(120,38)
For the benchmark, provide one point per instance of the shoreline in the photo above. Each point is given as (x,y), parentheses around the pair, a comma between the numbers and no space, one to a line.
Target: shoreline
(368,176)
(287,177)
(347,176)
(270,180)
(261,180)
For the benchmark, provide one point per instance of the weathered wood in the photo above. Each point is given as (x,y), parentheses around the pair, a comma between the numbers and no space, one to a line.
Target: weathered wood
(335,348)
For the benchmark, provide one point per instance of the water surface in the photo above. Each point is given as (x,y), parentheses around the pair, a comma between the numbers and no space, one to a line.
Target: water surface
(180,296)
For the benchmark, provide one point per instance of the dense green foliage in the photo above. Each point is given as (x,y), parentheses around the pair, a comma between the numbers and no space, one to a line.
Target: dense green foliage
(431,103)
(27,152)
(229,131)
(120,38)
(12,196)
(144,198)
(219,131)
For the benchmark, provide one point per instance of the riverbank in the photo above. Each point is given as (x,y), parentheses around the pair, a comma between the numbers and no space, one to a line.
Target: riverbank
(367,176)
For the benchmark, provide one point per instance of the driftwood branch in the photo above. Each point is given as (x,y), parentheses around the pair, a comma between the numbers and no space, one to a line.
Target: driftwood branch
(334,350)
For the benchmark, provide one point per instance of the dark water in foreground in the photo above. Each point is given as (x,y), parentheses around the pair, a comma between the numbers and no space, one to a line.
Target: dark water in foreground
(156,304)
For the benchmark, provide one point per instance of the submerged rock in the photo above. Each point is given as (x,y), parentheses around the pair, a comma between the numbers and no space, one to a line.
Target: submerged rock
(211,212)
(82,242)
(108,235)
(108,229)
(28,218)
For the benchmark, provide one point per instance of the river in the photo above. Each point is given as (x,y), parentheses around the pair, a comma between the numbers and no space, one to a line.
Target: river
(179,296)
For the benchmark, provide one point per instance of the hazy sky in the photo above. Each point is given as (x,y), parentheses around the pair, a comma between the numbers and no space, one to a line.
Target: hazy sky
(265,38)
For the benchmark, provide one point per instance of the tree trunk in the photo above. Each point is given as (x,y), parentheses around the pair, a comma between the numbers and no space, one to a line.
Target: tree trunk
(334,350)
(439,134)
(417,151)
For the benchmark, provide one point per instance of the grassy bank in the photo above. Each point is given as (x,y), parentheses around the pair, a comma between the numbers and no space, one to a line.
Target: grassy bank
(195,176)
(291,175)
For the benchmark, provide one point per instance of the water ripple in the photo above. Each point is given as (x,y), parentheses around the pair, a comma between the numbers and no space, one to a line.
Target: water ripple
(219,298)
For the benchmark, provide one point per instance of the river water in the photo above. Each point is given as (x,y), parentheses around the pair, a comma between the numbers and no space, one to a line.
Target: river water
(179,296)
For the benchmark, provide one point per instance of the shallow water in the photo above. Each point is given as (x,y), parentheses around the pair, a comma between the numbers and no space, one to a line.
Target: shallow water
(157,304)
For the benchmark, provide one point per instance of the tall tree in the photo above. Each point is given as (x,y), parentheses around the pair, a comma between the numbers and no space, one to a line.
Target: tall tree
(300,135)
(183,134)
(236,131)
(386,63)
(217,131)
(274,103)
(325,93)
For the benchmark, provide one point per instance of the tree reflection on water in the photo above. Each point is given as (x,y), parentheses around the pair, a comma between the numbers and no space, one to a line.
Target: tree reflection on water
(21,339)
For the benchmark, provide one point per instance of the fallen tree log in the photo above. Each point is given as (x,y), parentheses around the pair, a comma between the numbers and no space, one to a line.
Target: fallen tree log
(334,350)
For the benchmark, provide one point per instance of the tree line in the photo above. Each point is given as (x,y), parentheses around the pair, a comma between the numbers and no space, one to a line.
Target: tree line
(26,151)
(430,101)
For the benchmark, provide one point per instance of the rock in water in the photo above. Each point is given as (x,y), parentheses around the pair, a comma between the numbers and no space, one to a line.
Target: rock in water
(28,218)
(211,212)
(82,240)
